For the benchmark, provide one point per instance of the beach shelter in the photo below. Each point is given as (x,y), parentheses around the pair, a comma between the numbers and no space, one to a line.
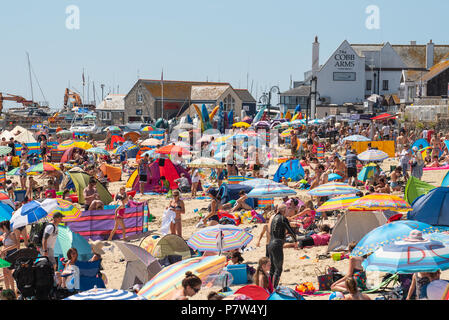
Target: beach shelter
(7,135)
(157,169)
(113,173)
(415,188)
(432,208)
(141,266)
(114,142)
(23,135)
(285,293)
(290,169)
(168,245)
(133,136)
(353,226)
(68,239)
(445,182)
(80,180)
(420,144)
(254,292)
(68,154)
(228,192)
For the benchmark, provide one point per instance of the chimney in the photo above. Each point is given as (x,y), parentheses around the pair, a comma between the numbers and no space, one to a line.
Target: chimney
(429,54)
(315,56)
(413,43)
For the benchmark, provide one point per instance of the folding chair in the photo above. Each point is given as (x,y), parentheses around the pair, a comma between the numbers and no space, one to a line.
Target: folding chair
(89,275)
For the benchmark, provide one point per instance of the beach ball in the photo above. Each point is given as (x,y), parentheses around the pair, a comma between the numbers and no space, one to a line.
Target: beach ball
(336,295)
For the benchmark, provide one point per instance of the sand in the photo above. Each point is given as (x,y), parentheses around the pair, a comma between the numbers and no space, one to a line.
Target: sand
(295,270)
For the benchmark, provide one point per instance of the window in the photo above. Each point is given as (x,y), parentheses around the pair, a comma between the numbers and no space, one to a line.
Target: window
(139,96)
(138,112)
(369,84)
(385,85)
(229,103)
(410,94)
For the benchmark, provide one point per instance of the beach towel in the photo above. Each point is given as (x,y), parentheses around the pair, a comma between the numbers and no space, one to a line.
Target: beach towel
(167,219)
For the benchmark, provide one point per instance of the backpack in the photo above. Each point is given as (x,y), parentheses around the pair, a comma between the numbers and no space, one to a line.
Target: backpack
(24,276)
(37,232)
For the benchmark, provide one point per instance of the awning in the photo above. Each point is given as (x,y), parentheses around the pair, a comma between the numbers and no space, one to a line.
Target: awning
(384,116)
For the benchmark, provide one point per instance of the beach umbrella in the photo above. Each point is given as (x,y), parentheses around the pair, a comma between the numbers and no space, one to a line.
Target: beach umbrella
(151,153)
(337,203)
(259,114)
(132,135)
(380,202)
(9,203)
(69,211)
(241,125)
(368,172)
(67,239)
(105,294)
(66,145)
(112,128)
(4,150)
(4,196)
(14,172)
(127,146)
(182,144)
(286,133)
(262,125)
(356,138)
(332,189)
(151,142)
(373,155)
(147,128)
(224,154)
(172,149)
(43,166)
(98,150)
(164,284)
(206,163)
(37,209)
(334,176)
(271,190)
(4,264)
(5,212)
(184,134)
(407,256)
(219,238)
(82,145)
(257,182)
(389,233)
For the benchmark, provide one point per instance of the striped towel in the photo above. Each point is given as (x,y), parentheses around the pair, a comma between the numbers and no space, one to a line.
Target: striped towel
(263,203)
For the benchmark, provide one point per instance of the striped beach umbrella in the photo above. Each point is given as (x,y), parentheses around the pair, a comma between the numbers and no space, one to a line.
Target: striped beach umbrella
(165,283)
(271,190)
(388,234)
(14,172)
(332,189)
(112,128)
(380,202)
(407,256)
(67,209)
(257,182)
(337,203)
(286,133)
(105,294)
(98,150)
(4,150)
(66,145)
(373,155)
(151,142)
(219,238)
(172,149)
(83,145)
(147,128)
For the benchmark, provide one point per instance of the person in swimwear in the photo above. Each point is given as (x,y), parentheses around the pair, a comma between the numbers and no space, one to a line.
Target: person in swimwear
(119,218)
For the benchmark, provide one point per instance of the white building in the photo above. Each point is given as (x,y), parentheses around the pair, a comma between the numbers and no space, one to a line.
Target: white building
(354,72)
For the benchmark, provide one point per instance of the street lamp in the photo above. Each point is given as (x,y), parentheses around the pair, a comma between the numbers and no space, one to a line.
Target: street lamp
(265,99)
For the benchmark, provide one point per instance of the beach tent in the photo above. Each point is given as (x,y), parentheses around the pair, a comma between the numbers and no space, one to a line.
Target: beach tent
(113,173)
(24,135)
(7,135)
(285,293)
(115,139)
(68,154)
(157,169)
(80,180)
(254,292)
(432,208)
(141,266)
(420,142)
(353,226)
(445,182)
(228,192)
(415,188)
(168,245)
(290,169)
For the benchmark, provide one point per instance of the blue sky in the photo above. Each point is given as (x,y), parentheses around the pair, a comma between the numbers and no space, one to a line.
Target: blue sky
(193,40)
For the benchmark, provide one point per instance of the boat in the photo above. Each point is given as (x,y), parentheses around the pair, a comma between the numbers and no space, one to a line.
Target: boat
(84,123)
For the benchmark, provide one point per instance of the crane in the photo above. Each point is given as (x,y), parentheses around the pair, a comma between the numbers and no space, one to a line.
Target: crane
(72,95)
(12,97)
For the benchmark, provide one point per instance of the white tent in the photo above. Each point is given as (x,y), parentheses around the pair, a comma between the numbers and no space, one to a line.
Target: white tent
(7,135)
(23,135)
(353,226)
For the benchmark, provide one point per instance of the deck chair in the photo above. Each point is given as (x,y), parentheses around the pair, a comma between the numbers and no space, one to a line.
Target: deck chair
(394,279)
(89,277)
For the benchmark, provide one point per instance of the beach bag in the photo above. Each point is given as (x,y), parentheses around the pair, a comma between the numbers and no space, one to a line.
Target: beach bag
(24,277)
(325,280)
(336,275)
(37,232)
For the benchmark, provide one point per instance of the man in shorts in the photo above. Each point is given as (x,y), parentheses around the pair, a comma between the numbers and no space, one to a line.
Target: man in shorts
(143,176)
(351,166)
(49,238)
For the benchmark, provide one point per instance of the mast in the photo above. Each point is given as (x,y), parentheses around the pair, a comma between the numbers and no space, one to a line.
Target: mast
(31,80)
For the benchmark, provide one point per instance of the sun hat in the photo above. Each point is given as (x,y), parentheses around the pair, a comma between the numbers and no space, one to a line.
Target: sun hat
(415,236)
(97,246)
(438,290)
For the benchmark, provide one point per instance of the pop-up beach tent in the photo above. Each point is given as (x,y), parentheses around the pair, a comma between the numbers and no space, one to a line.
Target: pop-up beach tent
(141,266)
(415,188)
(79,180)
(290,169)
(353,226)
(432,208)
(168,245)
(157,169)
(228,192)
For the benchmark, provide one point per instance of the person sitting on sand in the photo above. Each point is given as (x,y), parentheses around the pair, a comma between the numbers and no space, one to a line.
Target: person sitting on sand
(240,203)
(91,196)
(191,285)
(355,270)
(354,292)
(305,218)
(212,218)
(383,187)
(435,163)
(262,275)
(395,175)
